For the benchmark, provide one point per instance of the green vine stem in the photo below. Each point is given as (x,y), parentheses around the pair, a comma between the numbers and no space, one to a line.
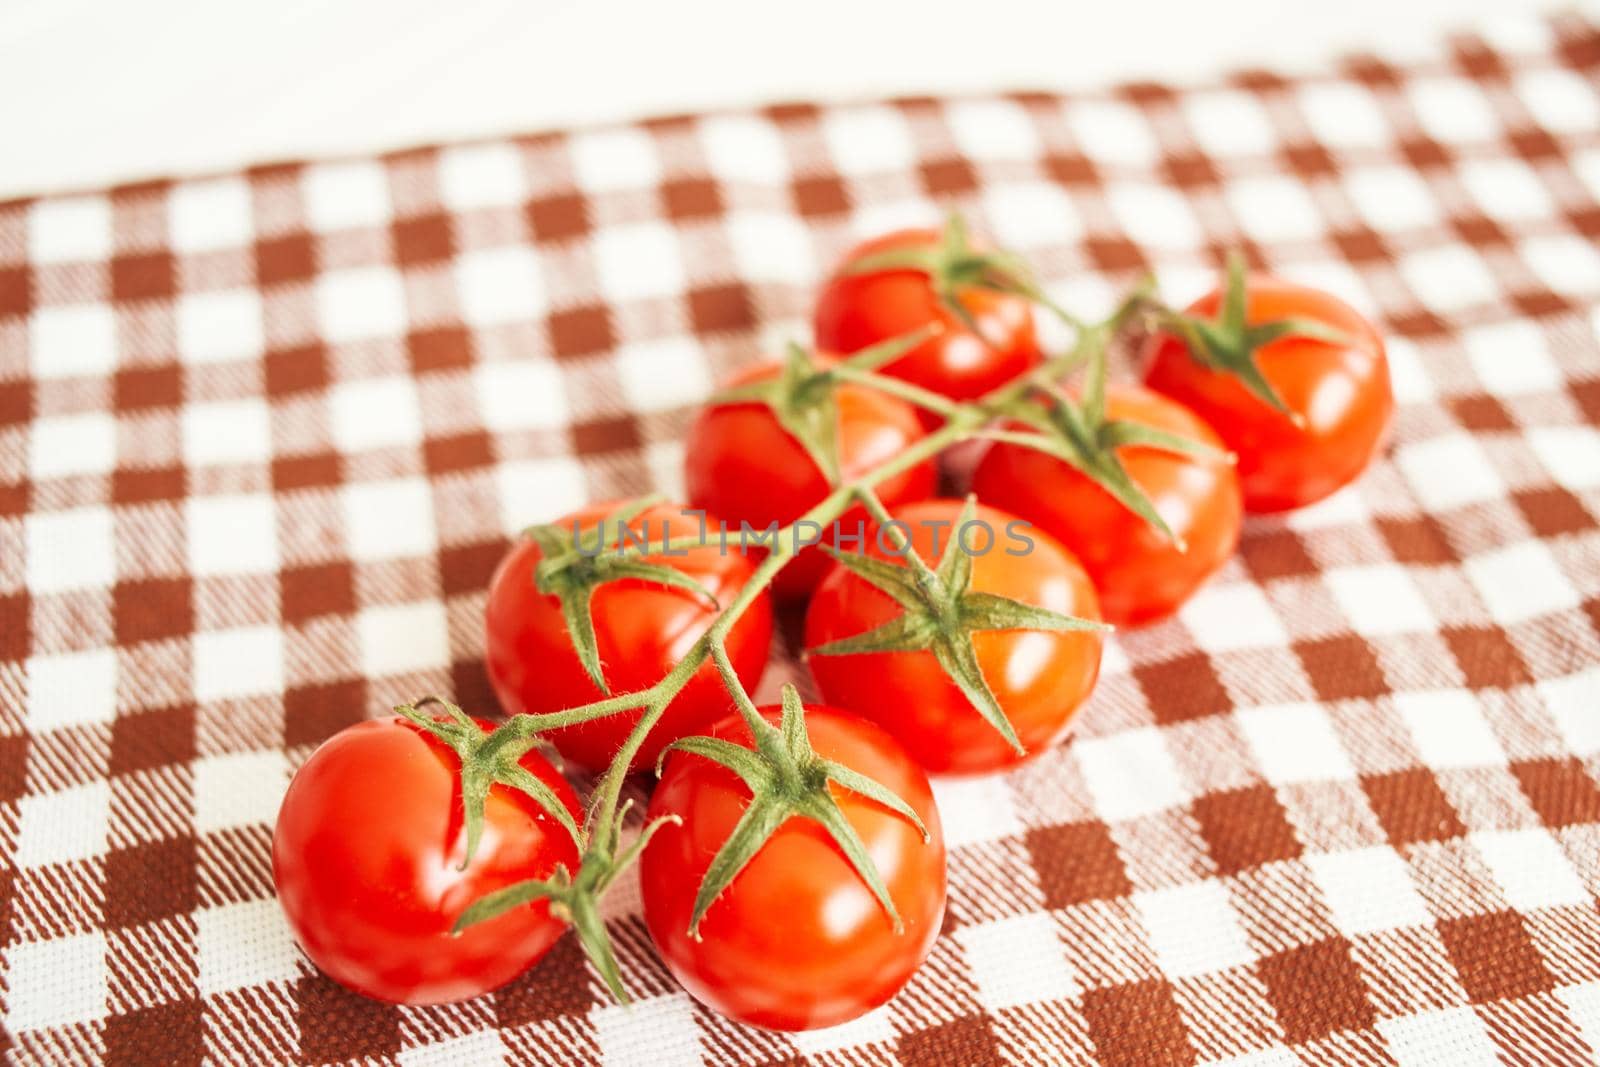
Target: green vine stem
(575,894)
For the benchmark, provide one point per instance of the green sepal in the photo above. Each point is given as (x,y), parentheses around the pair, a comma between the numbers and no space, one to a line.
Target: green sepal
(487,759)
(802,394)
(572,567)
(956,265)
(1230,345)
(941,613)
(576,898)
(787,779)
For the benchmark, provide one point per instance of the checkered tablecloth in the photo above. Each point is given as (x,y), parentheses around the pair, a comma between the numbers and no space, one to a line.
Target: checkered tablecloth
(263,437)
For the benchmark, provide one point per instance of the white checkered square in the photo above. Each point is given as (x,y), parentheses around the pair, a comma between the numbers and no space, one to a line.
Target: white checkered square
(1392,198)
(72,689)
(359,304)
(1531,869)
(399,638)
(242,662)
(1561,100)
(500,285)
(1368,890)
(72,340)
(1272,208)
(1379,600)
(1449,729)
(74,229)
(538,490)
(235,533)
(1452,1037)
(1028,215)
(479,1047)
(662,375)
(1448,472)
(868,140)
(64,445)
(742,148)
(1112,132)
(481,176)
(220,326)
(1565,263)
(1130,774)
(1018,960)
(1521,582)
(1506,189)
(203,216)
(769,247)
(1343,115)
(975,809)
(524,394)
(1571,701)
(1448,279)
(55,982)
(1193,929)
(346,195)
(69,550)
(993,129)
(1511,358)
(238,789)
(1229,124)
(389,520)
(1224,617)
(227,432)
(1570,453)
(618,158)
(374,413)
(1452,110)
(69,824)
(242,945)
(648,1033)
(639,261)
(1154,215)
(1295,743)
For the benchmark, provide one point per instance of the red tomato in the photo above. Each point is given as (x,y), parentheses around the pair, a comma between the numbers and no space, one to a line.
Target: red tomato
(742,465)
(797,940)
(1039,679)
(1139,574)
(857,310)
(365,855)
(642,631)
(1341,391)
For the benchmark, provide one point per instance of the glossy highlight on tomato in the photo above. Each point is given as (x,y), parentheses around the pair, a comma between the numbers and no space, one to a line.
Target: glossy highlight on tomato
(365,857)
(744,467)
(1340,392)
(642,631)
(1040,679)
(1139,574)
(797,940)
(857,310)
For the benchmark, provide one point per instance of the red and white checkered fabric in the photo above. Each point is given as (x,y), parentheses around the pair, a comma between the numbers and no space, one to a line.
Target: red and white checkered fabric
(263,437)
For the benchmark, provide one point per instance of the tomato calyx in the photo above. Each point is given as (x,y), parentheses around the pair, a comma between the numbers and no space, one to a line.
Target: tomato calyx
(802,394)
(955,265)
(576,562)
(942,612)
(787,779)
(1230,345)
(575,897)
(1078,433)
(486,759)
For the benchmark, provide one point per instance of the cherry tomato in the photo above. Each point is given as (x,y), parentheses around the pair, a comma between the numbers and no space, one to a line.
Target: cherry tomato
(642,631)
(365,858)
(1140,574)
(742,465)
(1039,679)
(857,310)
(1341,392)
(796,940)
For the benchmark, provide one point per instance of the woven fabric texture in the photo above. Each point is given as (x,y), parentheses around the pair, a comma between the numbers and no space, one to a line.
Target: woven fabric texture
(264,436)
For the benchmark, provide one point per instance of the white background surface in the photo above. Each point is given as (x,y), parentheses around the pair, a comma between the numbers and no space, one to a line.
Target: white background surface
(93,92)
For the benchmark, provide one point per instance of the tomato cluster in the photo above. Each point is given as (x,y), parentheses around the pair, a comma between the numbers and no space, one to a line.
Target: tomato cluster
(792,862)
